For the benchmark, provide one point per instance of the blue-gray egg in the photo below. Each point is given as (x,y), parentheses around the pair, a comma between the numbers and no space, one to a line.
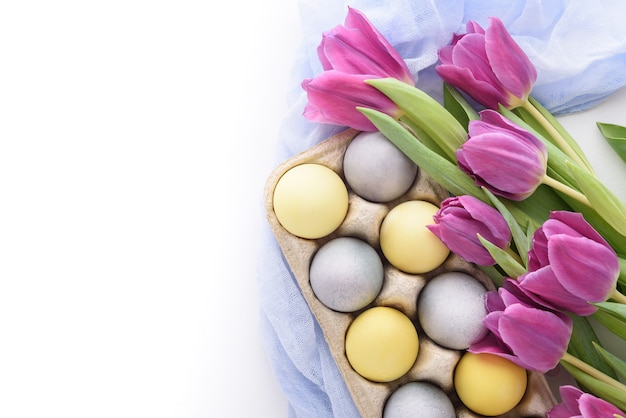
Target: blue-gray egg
(419,400)
(346,274)
(451,308)
(376,169)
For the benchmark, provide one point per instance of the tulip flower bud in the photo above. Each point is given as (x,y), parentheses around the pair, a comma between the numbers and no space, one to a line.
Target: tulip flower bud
(359,48)
(570,264)
(334,97)
(528,334)
(350,55)
(460,219)
(576,403)
(506,159)
(488,65)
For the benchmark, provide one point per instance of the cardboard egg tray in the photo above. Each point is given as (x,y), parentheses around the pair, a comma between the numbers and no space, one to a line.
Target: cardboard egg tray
(400,290)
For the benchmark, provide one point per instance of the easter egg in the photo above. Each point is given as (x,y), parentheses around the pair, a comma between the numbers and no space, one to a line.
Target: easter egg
(381,344)
(376,169)
(310,200)
(489,385)
(346,274)
(406,241)
(451,308)
(419,399)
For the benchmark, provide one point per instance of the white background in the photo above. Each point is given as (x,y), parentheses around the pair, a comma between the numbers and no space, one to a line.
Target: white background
(135,139)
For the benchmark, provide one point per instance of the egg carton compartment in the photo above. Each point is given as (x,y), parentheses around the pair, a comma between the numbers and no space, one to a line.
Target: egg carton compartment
(400,290)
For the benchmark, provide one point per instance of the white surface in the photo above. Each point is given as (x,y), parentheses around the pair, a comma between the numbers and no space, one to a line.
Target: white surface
(135,139)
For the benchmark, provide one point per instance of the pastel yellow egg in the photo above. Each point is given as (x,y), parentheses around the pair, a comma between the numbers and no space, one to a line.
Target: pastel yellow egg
(488,384)
(310,200)
(381,344)
(406,241)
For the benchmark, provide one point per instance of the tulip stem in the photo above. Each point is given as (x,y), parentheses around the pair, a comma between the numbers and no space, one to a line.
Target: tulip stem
(553,132)
(593,372)
(617,296)
(557,185)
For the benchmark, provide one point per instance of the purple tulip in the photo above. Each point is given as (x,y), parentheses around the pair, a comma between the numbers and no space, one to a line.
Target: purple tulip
(334,96)
(528,334)
(350,55)
(506,159)
(578,404)
(359,48)
(488,65)
(570,264)
(460,219)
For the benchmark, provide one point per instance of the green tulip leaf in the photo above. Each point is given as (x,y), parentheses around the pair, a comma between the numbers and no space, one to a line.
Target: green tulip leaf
(581,345)
(423,136)
(425,112)
(597,387)
(622,271)
(614,308)
(518,234)
(601,199)
(615,362)
(458,105)
(510,265)
(607,316)
(494,274)
(615,135)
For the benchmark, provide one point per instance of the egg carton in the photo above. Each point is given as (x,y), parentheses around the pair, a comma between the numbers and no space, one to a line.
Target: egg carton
(434,364)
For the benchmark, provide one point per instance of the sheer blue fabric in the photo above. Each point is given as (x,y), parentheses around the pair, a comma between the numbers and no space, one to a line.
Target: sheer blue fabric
(579,50)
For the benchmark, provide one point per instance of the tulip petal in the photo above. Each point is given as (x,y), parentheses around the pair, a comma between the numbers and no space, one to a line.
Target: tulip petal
(495,228)
(491,344)
(480,90)
(474,27)
(593,407)
(538,337)
(495,120)
(569,406)
(492,157)
(454,234)
(585,268)
(513,68)
(493,301)
(333,97)
(577,222)
(445,55)
(550,292)
(538,255)
(359,48)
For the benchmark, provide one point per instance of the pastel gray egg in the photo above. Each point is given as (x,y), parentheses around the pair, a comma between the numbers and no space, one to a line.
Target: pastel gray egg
(346,274)
(376,169)
(419,400)
(451,308)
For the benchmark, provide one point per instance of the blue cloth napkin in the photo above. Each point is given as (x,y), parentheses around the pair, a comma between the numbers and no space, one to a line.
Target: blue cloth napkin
(579,49)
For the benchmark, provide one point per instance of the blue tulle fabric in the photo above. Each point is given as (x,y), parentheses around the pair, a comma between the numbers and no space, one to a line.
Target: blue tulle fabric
(579,50)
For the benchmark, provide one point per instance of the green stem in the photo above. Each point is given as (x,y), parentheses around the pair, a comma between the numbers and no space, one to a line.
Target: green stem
(593,372)
(618,297)
(553,132)
(557,185)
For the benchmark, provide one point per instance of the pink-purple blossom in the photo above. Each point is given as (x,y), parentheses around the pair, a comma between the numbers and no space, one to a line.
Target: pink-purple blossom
(578,404)
(570,264)
(488,65)
(499,155)
(530,335)
(460,219)
(350,54)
